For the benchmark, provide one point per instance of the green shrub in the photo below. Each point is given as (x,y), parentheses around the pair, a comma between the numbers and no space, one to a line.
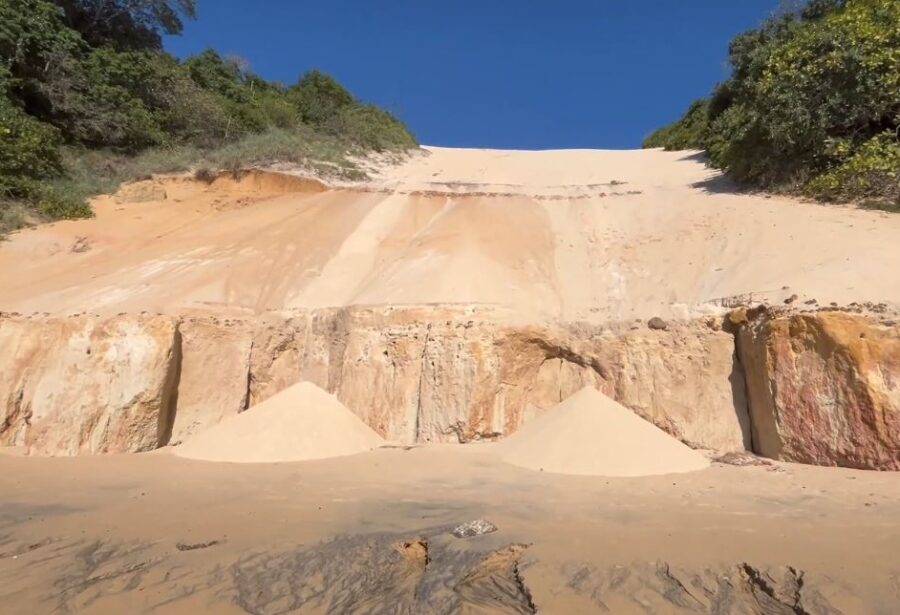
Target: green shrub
(872,172)
(127,24)
(687,133)
(319,98)
(33,40)
(808,97)
(214,73)
(248,104)
(28,151)
(371,128)
(55,205)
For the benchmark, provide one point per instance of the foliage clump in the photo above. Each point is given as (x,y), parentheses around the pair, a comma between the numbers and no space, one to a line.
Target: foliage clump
(812,105)
(86,80)
(687,133)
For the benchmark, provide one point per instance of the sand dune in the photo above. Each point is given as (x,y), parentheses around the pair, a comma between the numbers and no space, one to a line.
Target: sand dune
(574,234)
(590,434)
(300,423)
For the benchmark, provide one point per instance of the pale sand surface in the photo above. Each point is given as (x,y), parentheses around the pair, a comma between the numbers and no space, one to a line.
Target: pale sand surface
(299,423)
(575,234)
(591,434)
(100,534)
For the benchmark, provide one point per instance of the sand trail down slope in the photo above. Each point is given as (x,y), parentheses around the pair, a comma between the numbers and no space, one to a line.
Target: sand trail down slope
(300,423)
(591,434)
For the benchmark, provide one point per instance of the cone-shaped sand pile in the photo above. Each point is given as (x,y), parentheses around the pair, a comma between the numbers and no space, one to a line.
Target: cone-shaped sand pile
(300,423)
(590,434)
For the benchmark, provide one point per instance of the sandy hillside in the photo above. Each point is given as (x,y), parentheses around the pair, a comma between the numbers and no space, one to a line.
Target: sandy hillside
(575,234)
(591,434)
(301,422)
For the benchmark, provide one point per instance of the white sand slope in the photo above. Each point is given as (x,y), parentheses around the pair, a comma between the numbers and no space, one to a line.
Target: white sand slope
(591,434)
(300,423)
(573,234)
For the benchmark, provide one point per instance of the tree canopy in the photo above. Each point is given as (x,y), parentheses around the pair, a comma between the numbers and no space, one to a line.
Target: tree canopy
(812,104)
(91,74)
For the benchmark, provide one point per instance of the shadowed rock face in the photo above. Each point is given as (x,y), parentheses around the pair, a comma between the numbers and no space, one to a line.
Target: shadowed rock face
(824,388)
(414,375)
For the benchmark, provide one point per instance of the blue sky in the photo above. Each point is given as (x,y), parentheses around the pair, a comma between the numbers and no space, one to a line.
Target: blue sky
(526,74)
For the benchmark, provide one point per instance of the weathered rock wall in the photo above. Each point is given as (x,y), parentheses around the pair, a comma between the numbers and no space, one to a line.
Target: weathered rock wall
(824,387)
(215,367)
(427,374)
(433,375)
(86,385)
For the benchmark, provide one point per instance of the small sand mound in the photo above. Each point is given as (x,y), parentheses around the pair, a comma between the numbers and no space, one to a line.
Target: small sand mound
(300,423)
(590,434)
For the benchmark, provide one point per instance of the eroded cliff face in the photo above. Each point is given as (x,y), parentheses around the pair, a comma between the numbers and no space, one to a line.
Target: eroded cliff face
(88,385)
(426,374)
(215,367)
(824,387)
(818,387)
(447,375)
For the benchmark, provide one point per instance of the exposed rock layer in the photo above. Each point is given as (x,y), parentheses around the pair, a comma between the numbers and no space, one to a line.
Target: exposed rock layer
(414,375)
(437,375)
(824,388)
(85,385)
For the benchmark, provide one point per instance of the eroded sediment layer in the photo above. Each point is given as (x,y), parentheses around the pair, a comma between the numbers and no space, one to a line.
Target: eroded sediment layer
(88,385)
(415,374)
(824,387)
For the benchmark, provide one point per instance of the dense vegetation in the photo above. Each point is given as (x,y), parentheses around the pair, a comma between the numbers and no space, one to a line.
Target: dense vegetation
(812,105)
(88,99)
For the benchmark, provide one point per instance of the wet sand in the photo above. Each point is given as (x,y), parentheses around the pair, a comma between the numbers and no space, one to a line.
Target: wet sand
(370,533)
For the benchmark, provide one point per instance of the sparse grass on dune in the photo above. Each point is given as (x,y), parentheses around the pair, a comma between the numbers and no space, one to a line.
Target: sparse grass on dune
(85,106)
(324,155)
(89,172)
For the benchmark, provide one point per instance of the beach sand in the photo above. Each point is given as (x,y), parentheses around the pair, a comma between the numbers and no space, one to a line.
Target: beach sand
(129,533)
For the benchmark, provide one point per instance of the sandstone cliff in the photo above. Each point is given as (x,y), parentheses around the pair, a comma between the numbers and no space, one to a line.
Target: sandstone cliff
(86,385)
(446,375)
(824,388)
(414,374)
